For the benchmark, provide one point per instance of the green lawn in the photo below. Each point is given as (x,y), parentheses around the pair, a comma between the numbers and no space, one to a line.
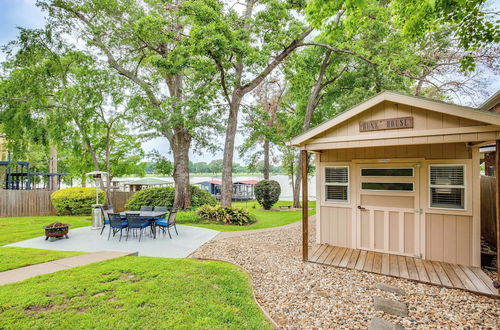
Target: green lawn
(15,257)
(134,292)
(22,228)
(265,219)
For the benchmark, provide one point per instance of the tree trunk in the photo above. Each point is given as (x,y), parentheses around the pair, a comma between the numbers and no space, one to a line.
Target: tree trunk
(266,159)
(180,144)
(227,169)
(54,182)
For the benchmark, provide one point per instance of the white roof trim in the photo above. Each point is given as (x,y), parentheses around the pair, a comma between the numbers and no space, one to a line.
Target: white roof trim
(428,104)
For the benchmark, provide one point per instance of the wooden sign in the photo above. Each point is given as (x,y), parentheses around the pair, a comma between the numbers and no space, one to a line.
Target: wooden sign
(382,124)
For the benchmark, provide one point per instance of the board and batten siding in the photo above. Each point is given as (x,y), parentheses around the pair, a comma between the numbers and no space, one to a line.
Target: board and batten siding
(433,151)
(422,120)
(446,235)
(336,226)
(448,238)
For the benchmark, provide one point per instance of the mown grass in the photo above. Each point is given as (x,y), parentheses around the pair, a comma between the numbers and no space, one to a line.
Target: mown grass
(22,228)
(134,293)
(265,219)
(15,257)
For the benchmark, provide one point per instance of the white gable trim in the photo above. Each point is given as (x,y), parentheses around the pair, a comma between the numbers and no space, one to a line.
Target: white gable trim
(427,104)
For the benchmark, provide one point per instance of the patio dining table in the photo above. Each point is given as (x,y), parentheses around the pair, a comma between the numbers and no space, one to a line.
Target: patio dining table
(150,216)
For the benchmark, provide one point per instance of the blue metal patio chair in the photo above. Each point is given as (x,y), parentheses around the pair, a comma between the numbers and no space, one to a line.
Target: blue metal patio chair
(116,224)
(160,209)
(168,222)
(105,215)
(135,223)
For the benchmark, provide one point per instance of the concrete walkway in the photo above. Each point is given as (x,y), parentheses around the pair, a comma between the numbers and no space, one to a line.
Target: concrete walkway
(87,240)
(19,274)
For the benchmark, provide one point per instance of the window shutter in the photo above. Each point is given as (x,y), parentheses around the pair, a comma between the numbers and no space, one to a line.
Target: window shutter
(336,183)
(336,175)
(447,187)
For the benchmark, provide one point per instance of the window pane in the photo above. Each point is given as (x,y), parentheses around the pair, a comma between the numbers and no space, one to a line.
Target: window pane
(452,198)
(336,193)
(447,175)
(401,186)
(336,175)
(387,172)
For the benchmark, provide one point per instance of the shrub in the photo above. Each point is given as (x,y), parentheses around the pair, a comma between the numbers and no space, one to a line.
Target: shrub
(164,196)
(267,193)
(75,201)
(226,215)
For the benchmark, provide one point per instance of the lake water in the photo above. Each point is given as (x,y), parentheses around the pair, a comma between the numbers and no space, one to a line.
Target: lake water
(283,180)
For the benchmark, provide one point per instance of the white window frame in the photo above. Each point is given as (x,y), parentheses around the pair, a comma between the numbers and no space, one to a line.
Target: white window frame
(387,190)
(347,184)
(385,176)
(464,187)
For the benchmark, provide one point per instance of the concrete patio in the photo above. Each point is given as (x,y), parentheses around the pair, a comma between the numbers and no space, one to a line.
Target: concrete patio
(87,240)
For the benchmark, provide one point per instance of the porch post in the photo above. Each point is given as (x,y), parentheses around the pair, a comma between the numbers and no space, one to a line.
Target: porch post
(497,198)
(305,208)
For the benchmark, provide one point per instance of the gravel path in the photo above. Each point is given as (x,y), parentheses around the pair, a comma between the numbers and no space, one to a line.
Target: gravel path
(301,295)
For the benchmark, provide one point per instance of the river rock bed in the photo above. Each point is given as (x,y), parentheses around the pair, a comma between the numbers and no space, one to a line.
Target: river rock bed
(300,295)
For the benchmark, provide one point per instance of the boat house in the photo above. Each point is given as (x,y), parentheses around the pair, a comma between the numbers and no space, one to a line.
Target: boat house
(400,175)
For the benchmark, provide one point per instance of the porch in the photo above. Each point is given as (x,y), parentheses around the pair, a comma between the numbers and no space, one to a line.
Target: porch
(455,276)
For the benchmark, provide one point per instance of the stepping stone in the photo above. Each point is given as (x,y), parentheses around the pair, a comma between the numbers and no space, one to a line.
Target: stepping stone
(380,324)
(390,288)
(390,306)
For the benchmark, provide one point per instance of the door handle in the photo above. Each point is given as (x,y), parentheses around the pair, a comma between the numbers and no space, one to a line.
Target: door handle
(361,207)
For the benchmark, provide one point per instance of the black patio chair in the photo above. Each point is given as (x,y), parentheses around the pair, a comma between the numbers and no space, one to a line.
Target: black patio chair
(168,222)
(105,215)
(135,223)
(146,208)
(160,209)
(116,224)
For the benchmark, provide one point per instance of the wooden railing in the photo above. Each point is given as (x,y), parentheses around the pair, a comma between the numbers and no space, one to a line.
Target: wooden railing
(30,203)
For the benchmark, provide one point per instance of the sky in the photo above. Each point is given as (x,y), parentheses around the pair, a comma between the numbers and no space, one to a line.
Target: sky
(14,13)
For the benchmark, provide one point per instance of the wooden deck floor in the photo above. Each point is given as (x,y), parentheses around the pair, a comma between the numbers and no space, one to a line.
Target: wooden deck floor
(432,272)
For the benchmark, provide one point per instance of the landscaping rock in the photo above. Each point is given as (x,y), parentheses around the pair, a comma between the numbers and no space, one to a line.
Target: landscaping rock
(390,288)
(390,306)
(380,324)
(286,287)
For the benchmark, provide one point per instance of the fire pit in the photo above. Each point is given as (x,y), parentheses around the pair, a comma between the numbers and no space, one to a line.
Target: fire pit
(57,230)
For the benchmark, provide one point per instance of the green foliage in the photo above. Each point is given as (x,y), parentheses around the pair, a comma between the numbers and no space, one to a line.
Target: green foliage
(161,165)
(164,196)
(225,215)
(76,200)
(267,193)
(201,197)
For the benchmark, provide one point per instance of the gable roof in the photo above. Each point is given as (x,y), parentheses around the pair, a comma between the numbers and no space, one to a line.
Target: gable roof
(491,102)
(417,101)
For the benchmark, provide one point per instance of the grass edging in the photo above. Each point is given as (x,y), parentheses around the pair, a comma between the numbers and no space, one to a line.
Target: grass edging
(266,314)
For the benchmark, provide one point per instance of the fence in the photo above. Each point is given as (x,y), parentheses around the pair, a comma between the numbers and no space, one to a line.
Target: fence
(488,209)
(26,203)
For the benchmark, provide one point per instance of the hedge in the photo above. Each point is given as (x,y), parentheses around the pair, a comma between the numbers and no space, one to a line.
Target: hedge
(164,196)
(75,201)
